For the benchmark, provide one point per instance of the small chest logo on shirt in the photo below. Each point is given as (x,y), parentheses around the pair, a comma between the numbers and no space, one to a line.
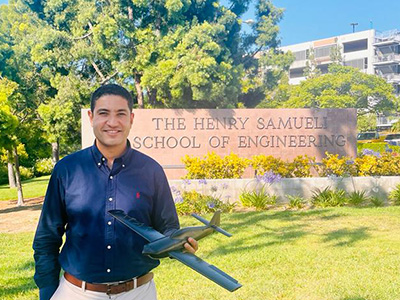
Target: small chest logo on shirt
(137,195)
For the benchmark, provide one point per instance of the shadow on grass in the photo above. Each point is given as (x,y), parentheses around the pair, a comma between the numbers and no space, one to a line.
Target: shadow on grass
(299,221)
(21,208)
(17,286)
(21,283)
(354,298)
(247,219)
(33,180)
(347,237)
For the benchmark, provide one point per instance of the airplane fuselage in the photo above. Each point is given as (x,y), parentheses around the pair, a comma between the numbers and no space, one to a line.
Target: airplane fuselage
(160,248)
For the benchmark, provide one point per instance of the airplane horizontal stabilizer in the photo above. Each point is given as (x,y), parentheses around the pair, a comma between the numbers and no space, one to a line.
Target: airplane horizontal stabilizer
(214,223)
(220,230)
(146,232)
(201,219)
(207,270)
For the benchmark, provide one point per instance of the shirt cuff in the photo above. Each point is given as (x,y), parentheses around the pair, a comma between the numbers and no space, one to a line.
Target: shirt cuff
(47,292)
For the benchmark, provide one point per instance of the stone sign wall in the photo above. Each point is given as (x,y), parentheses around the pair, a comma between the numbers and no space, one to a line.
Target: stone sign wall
(167,135)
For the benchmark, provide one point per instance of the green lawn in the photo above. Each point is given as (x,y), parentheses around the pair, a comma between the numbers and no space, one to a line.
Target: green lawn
(31,188)
(327,254)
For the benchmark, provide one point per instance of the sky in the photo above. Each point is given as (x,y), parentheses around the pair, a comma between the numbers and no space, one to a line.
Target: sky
(307,20)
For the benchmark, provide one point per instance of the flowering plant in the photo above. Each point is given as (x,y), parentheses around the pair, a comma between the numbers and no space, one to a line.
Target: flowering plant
(258,197)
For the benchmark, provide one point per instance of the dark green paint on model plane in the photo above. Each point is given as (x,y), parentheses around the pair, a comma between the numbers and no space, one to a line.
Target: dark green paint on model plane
(161,246)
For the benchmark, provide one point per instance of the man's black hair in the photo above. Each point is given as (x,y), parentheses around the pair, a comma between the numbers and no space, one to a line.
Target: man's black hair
(111,89)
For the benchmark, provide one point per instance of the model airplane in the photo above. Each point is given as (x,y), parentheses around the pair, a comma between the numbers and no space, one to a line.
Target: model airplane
(160,246)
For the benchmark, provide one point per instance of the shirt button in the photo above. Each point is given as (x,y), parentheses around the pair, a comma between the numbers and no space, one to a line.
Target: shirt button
(103,159)
(108,270)
(108,247)
(110,199)
(109,222)
(123,166)
(111,177)
(99,164)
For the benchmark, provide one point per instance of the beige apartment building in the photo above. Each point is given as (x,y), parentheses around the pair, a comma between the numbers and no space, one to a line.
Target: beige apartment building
(370,51)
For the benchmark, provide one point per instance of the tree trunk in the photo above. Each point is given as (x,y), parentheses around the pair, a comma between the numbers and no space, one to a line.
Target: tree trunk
(130,13)
(18,177)
(11,176)
(139,91)
(55,150)
(153,97)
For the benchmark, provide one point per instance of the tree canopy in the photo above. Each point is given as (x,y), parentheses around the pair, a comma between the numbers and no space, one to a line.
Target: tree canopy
(341,87)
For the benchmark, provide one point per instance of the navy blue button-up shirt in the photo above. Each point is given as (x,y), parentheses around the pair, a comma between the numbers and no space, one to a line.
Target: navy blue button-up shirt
(97,248)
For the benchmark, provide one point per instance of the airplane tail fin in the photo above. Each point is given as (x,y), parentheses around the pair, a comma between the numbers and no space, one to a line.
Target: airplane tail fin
(214,223)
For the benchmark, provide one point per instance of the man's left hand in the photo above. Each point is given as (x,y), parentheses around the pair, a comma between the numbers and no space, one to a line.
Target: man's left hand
(191,246)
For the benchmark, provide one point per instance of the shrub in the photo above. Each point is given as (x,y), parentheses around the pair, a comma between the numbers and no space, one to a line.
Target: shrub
(296,201)
(302,166)
(212,166)
(357,198)
(194,202)
(366,165)
(260,200)
(43,167)
(394,195)
(332,164)
(379,147)
(328,197)
(377,201)
(262,164)
(26,173)
(387,165)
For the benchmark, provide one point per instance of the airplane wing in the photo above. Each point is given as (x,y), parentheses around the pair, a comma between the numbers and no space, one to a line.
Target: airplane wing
(146,232)
(207,270)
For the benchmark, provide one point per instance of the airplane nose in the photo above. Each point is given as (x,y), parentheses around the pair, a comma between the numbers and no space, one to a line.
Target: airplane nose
(147,250)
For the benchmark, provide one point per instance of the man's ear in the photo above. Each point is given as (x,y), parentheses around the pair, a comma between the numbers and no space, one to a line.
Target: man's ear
(90,114)
(132,117)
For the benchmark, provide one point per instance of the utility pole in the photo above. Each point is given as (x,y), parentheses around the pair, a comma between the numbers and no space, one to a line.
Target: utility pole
(354,26)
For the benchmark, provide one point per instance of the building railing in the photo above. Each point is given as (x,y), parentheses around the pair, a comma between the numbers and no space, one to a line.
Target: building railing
(391,77)
(389,57)
(390,35)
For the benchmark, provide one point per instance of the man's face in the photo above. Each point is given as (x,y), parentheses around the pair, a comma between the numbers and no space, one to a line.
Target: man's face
(111,121)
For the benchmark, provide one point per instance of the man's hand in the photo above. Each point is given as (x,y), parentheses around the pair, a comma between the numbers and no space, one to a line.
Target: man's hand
(191,246)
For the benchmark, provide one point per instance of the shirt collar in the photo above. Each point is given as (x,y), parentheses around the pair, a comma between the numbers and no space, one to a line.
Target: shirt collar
(123,159)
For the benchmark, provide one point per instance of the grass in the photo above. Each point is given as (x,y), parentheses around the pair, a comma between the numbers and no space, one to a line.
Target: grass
(31,188)
(343,253)
(17,267)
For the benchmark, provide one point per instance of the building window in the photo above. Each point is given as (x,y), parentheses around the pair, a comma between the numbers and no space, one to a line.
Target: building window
(296,73)
(323,51)
(396,89)
(361,63)
(323,68)
(299,55)
(355,46)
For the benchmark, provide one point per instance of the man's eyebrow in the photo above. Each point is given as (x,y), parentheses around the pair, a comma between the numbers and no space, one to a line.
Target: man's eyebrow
(103,109)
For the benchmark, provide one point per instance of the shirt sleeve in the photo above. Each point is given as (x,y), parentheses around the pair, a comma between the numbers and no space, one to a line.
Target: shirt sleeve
(164,217)
(48,237)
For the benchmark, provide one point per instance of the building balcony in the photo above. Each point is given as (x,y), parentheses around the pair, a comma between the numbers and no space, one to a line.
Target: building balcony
(380,60)
(391,78)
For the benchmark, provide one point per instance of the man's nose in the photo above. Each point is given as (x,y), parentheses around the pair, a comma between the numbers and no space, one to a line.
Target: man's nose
(112,120)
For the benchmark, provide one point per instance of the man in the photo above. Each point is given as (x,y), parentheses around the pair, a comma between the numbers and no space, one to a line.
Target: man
(101,257)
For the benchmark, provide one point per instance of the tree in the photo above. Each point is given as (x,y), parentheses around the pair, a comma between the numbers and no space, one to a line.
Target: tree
(367,122)
(8,126)
(341,87)
(18,32)
(311,70)
(173,54)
